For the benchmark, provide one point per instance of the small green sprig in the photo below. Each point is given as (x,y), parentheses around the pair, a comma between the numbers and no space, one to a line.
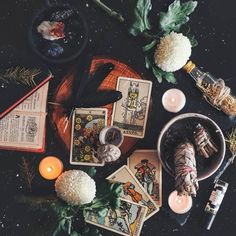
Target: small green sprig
(231,143)
(20,75)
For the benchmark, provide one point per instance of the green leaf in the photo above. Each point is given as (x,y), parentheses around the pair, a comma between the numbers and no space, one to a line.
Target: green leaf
(141,22)
(192,40)
(169,76)
(149,46)
(115,203)
(74,233)
(157,73)
(176,16)
(103,212)
(91,171)
(116,188)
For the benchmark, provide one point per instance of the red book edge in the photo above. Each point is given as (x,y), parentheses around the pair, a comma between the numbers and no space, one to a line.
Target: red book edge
(39,150)
(25,149)
(26,96)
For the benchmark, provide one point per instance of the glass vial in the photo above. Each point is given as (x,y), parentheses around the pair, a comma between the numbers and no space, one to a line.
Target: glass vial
(214,90)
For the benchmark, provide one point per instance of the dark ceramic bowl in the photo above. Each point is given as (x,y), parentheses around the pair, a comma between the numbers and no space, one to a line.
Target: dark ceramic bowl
(69,48)
(183,126)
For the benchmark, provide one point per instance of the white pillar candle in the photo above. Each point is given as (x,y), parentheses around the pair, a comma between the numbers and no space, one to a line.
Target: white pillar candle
(173,100)
(179,204)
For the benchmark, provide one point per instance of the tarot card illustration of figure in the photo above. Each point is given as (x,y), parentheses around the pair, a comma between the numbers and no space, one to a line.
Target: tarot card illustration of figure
(86,126)
(133,191)
(146,167)
(130,113)
(126,220)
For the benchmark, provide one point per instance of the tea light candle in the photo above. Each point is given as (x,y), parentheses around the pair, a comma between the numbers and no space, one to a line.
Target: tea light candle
(50,167)
(173,100)
(179,204)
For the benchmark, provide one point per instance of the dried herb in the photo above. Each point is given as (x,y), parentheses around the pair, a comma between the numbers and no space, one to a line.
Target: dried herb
(231,142)
(218,95)
(20,75)
(27,172)
(186,182)
(204,143)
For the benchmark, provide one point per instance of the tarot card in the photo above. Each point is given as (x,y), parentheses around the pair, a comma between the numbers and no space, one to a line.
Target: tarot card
(126,220)
(133,190)
(130,113)
(86,126)
(146,167)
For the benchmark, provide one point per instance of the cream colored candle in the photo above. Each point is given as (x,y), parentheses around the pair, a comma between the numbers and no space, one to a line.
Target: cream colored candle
(173,100)
(179,204)
(50,167)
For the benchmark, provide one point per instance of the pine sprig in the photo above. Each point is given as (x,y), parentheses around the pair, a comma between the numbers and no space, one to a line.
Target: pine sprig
(20,75)
(27,172)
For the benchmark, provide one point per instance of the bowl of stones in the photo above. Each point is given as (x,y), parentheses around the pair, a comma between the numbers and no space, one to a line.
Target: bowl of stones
(205,136)
(58,33)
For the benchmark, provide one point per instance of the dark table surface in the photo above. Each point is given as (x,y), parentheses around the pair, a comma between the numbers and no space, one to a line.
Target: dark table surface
(214,26)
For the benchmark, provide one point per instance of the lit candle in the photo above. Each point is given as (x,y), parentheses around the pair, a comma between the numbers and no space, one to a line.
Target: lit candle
(173,100)
(50,167)
(179,204)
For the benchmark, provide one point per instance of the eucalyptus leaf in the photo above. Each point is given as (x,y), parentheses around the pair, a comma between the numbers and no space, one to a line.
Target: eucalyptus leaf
(176,16)
(74,233)
(141,22)
(149,46)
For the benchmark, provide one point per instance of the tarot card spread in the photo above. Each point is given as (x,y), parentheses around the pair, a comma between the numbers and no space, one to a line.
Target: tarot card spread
(133,191)
(130,113)
(126,220)
(86,126)
(146,167)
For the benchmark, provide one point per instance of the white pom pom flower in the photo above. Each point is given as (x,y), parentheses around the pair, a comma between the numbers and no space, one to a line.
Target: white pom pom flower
(173,52)
(75,187)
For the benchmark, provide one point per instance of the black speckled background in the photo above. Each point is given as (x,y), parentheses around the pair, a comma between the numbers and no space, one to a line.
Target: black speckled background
(214,26)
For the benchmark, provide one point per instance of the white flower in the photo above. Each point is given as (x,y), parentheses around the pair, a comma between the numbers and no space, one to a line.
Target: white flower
(75,187)
(173,52)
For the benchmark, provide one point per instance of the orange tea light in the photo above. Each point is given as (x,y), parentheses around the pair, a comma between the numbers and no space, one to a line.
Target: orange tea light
(179,204)
(50,167)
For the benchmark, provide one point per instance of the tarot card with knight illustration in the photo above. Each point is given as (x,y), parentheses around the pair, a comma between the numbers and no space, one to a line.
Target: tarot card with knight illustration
(146,167)
(127,220)
(133,190)
(130,113)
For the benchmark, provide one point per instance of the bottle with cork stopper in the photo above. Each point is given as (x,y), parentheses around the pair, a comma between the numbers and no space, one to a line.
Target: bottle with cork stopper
(214,90)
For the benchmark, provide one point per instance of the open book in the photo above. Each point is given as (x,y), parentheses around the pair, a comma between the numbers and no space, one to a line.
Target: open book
(24,128)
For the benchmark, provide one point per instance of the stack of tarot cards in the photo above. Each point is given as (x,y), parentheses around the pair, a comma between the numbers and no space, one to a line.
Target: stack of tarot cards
(129,114)
(140,198)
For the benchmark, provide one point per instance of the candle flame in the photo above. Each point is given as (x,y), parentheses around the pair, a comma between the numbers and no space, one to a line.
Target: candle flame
(172,99)
(49,169)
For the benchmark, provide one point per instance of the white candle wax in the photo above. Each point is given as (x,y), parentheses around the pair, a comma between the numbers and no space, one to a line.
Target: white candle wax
(173,100)
(179,204)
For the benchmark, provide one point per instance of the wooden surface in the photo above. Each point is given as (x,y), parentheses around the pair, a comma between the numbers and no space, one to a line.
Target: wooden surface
(64,91)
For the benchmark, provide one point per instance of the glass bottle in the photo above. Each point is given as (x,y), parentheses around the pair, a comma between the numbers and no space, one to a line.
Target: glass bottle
(214,90)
